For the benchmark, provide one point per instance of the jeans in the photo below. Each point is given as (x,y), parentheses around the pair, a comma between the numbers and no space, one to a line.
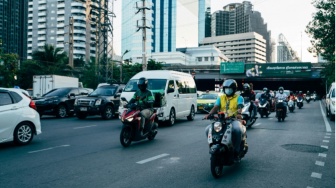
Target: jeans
(145,114)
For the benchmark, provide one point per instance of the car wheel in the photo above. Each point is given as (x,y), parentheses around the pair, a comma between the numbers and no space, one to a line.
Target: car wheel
(61,111)
(172,117)
(23,133)
(108,112)
(81,115)
(192,114)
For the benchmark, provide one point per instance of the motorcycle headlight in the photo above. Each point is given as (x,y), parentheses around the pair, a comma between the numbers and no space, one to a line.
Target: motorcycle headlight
(218,126)
(98,102)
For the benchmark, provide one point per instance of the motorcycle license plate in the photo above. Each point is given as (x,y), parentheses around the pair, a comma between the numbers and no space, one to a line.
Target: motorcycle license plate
(200,107)
(83,109)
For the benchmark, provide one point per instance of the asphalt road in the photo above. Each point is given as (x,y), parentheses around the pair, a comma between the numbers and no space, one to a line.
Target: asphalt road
(299,152)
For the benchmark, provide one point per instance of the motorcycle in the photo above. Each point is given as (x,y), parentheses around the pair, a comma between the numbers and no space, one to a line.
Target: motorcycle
(263,107)
(220,143)
(291,105)
(308,98)
(250,118)
(313,97)
(280,110)
(299,102)
(131,124)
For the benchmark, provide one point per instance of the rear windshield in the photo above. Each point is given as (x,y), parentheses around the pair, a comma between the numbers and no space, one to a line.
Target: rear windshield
(57,92)
(153,85)
(208,96)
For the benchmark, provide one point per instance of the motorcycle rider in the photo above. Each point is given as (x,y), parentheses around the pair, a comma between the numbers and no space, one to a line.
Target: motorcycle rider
(283,96)
(145,99)
(292,97)
(232,104)
(266,95)
(249,93)
(300,95)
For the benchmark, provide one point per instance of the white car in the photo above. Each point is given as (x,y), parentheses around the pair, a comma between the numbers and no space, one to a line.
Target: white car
(19,120)
(330,102)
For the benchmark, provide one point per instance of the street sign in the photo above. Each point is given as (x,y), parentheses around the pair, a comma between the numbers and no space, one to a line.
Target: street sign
(232,67)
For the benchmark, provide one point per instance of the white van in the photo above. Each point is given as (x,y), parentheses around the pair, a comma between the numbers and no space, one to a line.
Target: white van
(330,102)
(175,94)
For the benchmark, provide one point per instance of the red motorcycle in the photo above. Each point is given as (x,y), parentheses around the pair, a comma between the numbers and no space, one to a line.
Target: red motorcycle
(131,124)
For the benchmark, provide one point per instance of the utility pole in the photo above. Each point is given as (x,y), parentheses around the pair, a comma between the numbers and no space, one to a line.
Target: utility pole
(143,27)
(71,41)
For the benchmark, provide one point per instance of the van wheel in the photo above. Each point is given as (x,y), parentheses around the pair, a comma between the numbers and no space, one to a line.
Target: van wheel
(192,114)
(172,117)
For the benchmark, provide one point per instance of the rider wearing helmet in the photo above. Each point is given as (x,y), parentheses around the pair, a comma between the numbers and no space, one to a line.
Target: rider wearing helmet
(232,104)
(283,96)
(266,95)
(249,95)
(291,96)
(145,99)
(300,95)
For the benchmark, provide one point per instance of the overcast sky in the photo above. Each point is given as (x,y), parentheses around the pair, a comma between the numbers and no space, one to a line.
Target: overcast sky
(289,17)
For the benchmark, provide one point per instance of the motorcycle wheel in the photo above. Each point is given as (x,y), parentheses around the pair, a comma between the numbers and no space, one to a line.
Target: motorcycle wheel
(125,136)
(216,169)
(152,134)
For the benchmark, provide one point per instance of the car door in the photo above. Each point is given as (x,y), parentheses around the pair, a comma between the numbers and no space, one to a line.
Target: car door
(172,97)
(10,112)
(73,94)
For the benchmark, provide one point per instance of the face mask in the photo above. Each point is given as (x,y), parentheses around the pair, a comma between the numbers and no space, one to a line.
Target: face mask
(281,91)
(228,91)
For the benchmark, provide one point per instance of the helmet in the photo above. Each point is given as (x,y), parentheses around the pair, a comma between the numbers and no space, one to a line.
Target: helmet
(281,89)
(246,87)
(230,87)
(142,83)
(291,93)
(300,92)
(265,90)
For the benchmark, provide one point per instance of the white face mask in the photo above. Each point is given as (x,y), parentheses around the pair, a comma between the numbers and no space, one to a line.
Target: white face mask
(228,91)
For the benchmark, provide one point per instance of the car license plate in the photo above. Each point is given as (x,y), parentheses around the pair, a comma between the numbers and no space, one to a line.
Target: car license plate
(83,109)
(200,107)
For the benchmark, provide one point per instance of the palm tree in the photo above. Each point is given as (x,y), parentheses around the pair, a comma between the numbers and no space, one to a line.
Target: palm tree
(52,59)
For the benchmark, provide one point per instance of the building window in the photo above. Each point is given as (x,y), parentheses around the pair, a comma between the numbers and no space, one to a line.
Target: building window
(199,59)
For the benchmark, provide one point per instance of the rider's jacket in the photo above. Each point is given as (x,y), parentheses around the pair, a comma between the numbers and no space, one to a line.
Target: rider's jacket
(292,97)
(250,95)
(143,98)
(229,104)
(282,96)
(266,96)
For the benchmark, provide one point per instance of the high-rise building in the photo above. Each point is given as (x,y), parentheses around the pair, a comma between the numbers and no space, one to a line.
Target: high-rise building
(13,28)
(204,19)
(238,18)
(160,27)
(49,23)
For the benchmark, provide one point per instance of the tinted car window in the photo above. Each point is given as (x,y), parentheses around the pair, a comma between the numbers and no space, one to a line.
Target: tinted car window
(332,93)
(74,91)
(17,97)
(208,96)
(57,92)
(104,91)
(5,99)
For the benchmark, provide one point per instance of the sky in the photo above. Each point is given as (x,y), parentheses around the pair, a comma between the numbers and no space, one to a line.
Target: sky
(289,17)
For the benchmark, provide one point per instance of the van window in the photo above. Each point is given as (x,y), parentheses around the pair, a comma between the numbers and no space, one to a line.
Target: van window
(332,93)
(186,85)
(153,84)
(171,84)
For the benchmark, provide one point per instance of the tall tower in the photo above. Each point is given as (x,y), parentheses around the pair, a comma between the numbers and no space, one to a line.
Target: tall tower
(204,19)
(13,28)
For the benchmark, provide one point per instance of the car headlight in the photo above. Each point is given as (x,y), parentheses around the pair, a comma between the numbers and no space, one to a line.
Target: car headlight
(98,102)
(218,126)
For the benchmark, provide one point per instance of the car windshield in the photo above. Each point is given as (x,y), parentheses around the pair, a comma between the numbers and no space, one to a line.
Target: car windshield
(208,96)
(57,92)
(103,91)
(333,94)
(153,84)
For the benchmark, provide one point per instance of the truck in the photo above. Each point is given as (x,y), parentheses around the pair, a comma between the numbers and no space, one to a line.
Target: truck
(44,83)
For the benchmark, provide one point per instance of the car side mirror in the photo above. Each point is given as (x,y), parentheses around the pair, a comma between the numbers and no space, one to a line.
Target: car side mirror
(83,93)
(72,95)
(170,90)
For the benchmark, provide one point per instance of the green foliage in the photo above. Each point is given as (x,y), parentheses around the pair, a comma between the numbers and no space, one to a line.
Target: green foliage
(8,70)
(28,69)
(322,31)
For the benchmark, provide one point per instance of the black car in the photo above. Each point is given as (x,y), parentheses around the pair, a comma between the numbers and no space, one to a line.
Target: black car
(60,101)
(103,101)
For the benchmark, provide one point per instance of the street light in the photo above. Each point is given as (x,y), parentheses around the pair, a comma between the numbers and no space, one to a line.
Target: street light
(121,64)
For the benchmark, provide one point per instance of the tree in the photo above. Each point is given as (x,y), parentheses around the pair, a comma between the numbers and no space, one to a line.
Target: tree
(28,69)
(322,31)
(8,70)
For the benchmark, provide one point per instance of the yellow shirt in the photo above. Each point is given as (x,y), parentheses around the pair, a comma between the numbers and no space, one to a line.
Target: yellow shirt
(232,103)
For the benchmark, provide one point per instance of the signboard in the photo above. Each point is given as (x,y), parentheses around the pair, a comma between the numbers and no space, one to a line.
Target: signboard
(232,67)
(278,70)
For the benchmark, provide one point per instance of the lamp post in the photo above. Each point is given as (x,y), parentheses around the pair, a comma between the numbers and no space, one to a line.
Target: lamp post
(121,64)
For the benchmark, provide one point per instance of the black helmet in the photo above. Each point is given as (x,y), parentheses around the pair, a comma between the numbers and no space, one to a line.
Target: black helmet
(281,89)
(246,87)
(230,87)
(300,92)
(142,83)
(291,93)
(265,90)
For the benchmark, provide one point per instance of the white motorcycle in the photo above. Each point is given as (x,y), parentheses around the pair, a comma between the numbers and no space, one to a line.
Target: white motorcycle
(291,105)
(250,118)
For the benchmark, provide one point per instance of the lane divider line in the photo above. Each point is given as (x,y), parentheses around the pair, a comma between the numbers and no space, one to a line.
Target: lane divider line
(48,148)
(326,136)
(322,155)
(319,163)
(327,141)
(316,175)
(84,127)
(322,146)
(152,158)
(325,119)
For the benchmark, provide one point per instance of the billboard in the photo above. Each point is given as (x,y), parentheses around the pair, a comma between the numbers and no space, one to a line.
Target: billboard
(232,67)
(278,70)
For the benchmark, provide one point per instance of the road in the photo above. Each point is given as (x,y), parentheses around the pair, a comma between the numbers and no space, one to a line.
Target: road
(299,152)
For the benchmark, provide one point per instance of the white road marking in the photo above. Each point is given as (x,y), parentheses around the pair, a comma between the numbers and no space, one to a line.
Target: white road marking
(84,127)
(319,163)
(309,187)
(326,136)
(48,148)
(329,134)
(316,175)
(327,141)
(152,158)
(326,147)
(325,119)
(257,124)
(322,155)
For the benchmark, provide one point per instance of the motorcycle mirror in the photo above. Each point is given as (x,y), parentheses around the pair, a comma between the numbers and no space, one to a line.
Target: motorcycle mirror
(123,99)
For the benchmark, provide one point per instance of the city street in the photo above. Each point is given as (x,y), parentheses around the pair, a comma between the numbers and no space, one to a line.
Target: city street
(299,152)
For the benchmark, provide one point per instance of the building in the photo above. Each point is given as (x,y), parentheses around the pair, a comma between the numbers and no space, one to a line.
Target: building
(13,27)
(285,52)
(244,47)
(49,23)
(238,18)
(204,19)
